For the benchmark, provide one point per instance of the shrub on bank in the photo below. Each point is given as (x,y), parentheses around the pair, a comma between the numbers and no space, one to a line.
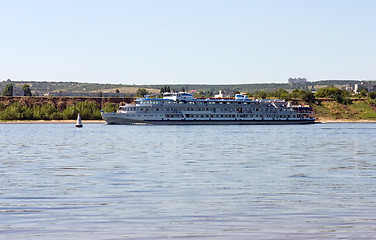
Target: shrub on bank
(46,112)
(15,111)
(338,95)
(110,107)
(88,111)
(69,113)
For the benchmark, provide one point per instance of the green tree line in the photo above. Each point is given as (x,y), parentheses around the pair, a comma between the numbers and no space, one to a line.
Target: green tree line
(338,95)
(88,111)
(281,93)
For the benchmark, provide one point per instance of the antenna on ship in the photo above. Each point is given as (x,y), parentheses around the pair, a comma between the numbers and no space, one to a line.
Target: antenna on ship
(79,123)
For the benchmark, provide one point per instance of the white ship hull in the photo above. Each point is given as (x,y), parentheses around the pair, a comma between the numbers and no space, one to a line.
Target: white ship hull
(183,109)
(118,118)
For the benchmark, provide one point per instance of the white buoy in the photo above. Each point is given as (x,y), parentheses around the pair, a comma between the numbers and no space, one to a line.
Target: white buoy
(79,123)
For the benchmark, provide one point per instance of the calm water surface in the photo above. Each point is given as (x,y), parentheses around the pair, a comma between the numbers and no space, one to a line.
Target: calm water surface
(190,182)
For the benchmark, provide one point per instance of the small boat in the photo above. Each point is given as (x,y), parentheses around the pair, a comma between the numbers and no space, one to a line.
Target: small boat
(79,123)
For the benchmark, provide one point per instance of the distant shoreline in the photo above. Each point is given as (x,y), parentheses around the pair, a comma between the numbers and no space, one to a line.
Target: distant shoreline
(102,121)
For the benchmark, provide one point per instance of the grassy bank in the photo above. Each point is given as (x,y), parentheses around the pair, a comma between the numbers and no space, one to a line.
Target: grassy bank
(357,111)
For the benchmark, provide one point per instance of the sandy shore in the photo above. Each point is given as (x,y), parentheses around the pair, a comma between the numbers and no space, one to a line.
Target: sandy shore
(324,120)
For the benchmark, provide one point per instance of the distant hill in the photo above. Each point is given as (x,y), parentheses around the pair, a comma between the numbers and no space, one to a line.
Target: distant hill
(93,89)
(80,89)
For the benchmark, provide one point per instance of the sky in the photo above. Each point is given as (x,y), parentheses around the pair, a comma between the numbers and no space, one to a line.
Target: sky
(187,41)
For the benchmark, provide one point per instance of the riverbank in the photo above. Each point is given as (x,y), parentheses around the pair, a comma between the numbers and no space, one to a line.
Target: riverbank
(320,120)
(324,120)
(52,121)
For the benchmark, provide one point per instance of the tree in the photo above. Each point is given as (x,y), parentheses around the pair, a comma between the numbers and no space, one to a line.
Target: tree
(281,92)
(8,91)
(26,90)
(165,89)
(12,112)
(87,110)
(110,107)
(372,95)
(260,94)
(338,95)
(363,92)
(141,92)
(329,92)
(308,97)
(46,112)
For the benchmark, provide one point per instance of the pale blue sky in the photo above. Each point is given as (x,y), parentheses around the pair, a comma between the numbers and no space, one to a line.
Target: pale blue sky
(187,41)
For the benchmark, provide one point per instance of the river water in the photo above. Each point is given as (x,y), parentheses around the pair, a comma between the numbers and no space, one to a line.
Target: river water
(187,182)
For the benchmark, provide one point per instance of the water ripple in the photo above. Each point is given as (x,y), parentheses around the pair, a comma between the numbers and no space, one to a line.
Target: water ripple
(196,182)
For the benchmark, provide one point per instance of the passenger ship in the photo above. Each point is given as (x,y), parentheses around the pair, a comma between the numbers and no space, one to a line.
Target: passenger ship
(182,108)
